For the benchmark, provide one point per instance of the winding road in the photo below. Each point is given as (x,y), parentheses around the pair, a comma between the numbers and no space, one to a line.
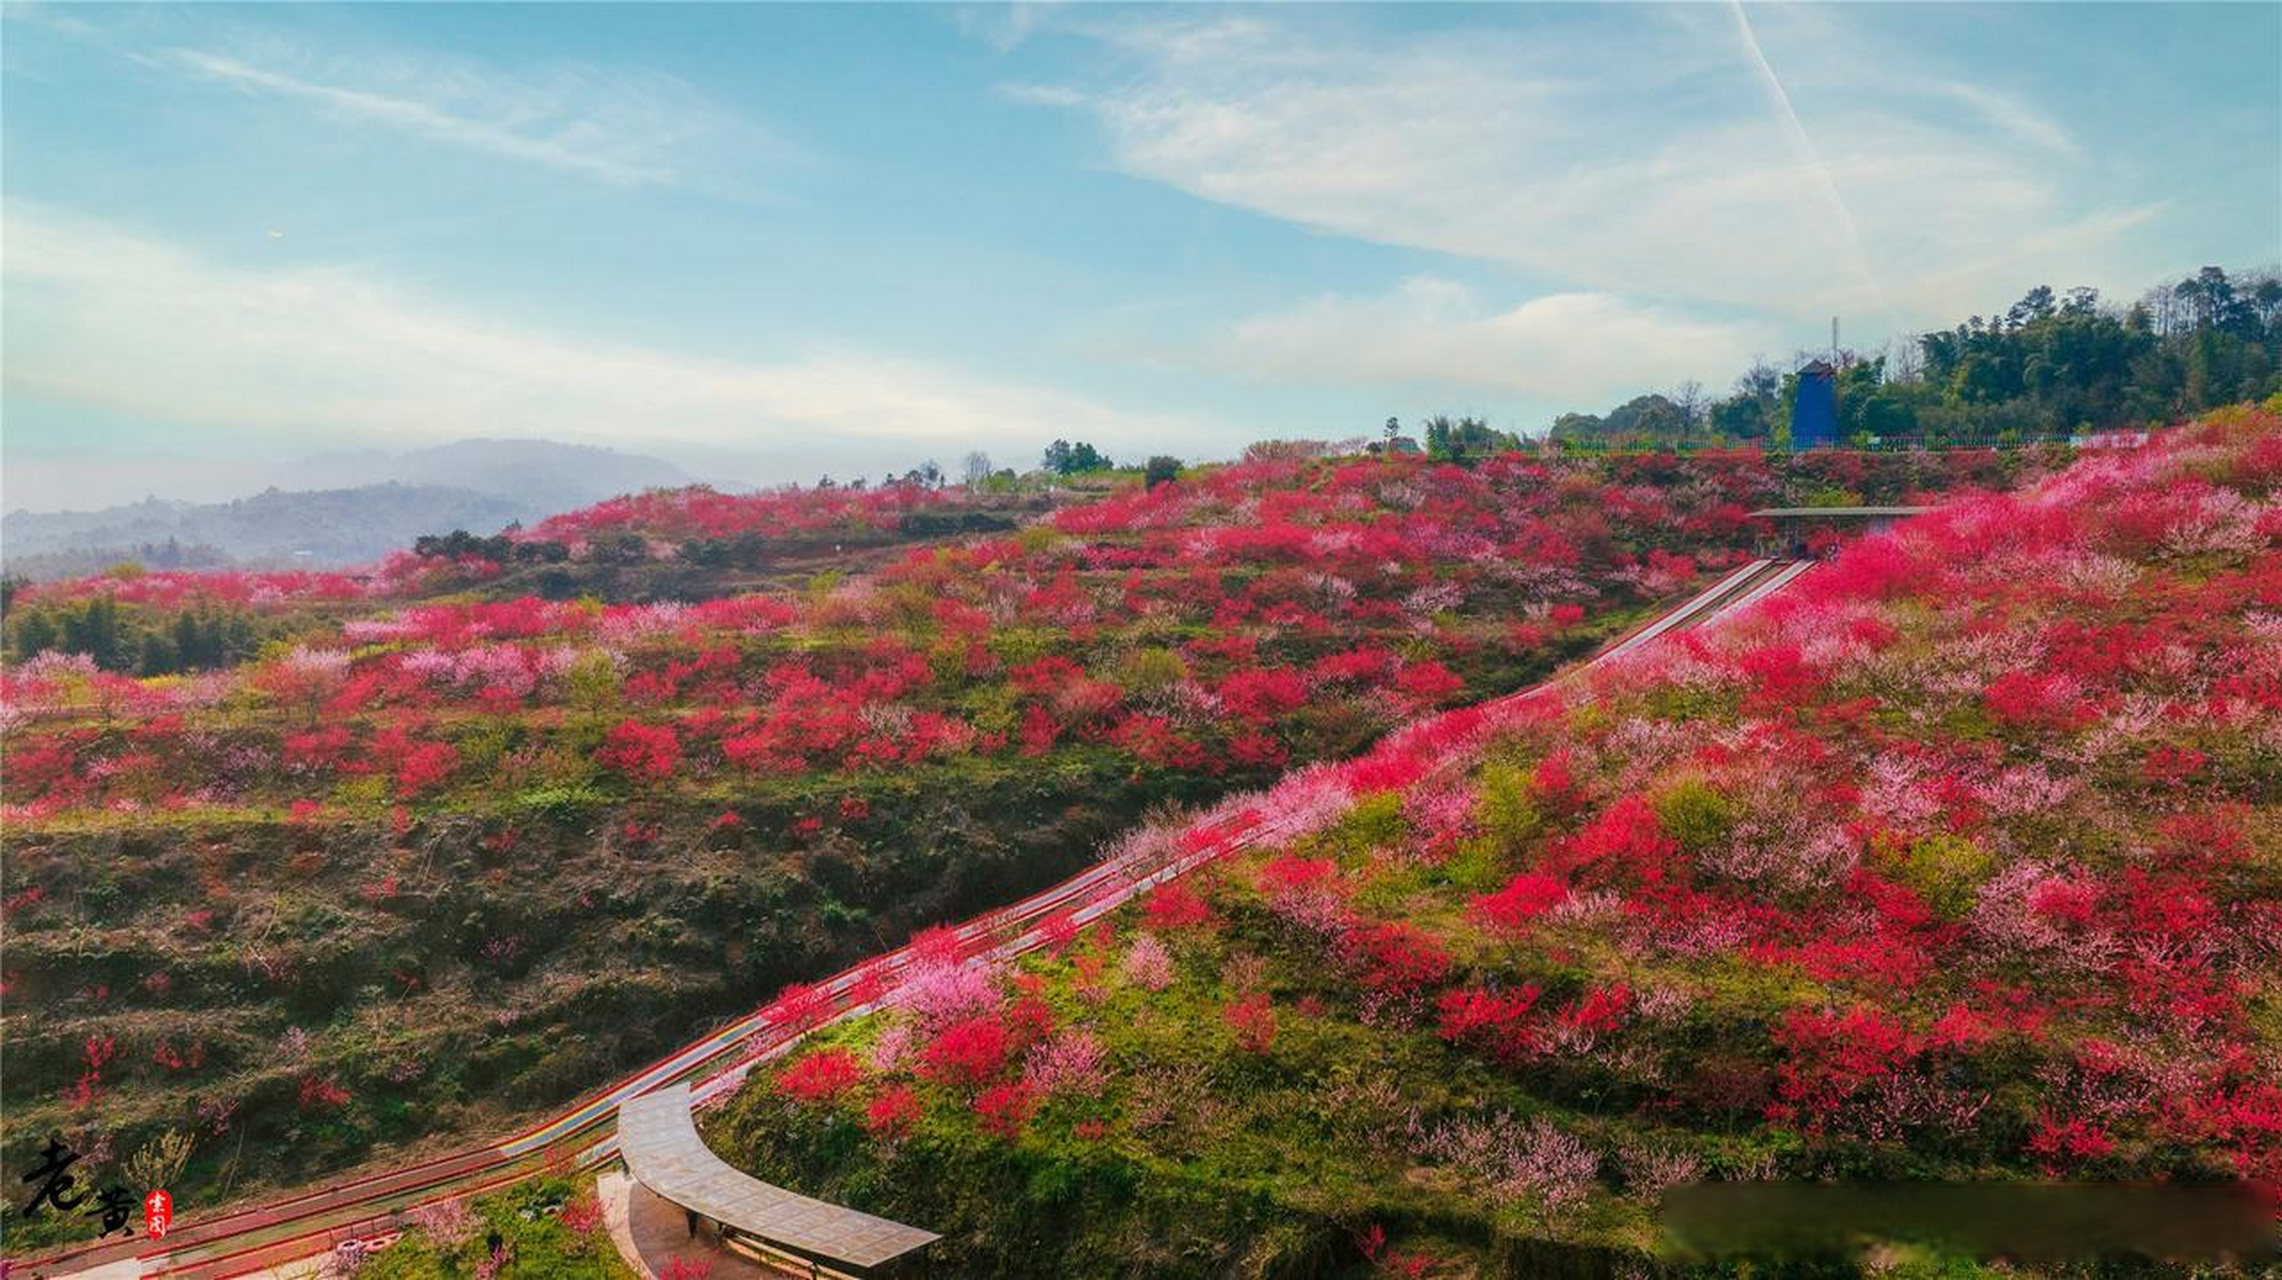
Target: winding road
(310,1223)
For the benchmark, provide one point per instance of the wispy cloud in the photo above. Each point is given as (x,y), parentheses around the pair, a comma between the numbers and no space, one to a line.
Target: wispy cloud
(622,126)
(106,318)
(2012,116)
(601,140)
(1624,150)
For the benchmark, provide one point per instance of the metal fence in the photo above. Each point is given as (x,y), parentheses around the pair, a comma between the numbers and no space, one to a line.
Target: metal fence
(1854,444)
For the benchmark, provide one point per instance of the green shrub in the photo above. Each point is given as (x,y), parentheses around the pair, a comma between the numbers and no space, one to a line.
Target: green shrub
(1946,871)
(366,792)
(1474,866)
(993,708)
(1147,671)
(1506,808)
(1682,703)
(561,803)
(1374,822)
(820,586)
(1019,646)
(1692,813)
(483,744)
(593,683)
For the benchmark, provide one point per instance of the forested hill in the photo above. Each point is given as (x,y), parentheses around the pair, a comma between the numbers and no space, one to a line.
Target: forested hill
(2050,364)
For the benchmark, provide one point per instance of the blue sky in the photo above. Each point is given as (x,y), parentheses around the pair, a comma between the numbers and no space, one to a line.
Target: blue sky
(772,242)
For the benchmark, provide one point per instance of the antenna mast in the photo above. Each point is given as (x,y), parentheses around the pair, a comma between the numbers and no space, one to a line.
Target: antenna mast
(1834,342)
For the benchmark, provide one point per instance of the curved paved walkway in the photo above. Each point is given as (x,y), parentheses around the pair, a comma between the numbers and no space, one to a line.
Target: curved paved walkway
(651,1232)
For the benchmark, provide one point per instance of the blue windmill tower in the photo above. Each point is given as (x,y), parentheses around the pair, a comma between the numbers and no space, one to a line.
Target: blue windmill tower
(1814,413)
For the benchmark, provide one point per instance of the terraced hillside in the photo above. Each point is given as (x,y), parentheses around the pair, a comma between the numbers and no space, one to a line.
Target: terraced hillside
(1960,859)
(407,854)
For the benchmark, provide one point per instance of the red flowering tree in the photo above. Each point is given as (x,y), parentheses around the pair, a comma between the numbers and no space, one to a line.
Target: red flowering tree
(893,1112)
(1525,898)
(1004,1109)
(641,752)
(1176,906)
(967,1054)
(822,1077)
(419,766)
(1253,1020)
(1429,682)
(1496,1022)
(1832,1057)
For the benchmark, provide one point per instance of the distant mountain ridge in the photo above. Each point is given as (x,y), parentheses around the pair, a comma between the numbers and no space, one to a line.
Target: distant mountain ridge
(542,474)
(321,528)
(340,509)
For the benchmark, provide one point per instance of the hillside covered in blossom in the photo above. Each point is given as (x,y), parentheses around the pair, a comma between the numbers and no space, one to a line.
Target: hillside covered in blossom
(324,865)
(1957,860)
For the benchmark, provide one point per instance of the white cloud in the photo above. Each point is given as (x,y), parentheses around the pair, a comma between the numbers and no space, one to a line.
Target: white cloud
(1630,151)
(1582,349)
(1003,26)
(108,319)
(1042,95)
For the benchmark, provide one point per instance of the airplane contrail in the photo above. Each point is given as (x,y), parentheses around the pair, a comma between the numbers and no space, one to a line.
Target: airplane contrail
(1804,147)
